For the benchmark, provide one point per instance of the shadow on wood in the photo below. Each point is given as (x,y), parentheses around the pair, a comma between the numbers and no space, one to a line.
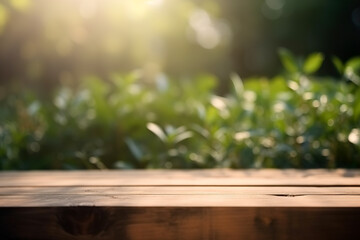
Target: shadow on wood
(179,223)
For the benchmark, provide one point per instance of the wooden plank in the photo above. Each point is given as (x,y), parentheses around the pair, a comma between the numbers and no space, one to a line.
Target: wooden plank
(215,177)
(181,201)
(209,204)
(153,223)
(181,196)
(180,190)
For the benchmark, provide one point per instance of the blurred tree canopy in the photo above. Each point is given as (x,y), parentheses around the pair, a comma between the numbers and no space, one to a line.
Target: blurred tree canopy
(45,42)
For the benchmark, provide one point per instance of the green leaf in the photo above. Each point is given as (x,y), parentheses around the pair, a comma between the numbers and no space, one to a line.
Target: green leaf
(123,165)
(183,136)
(288,60)
(352,70)
(154,128)
(313,62)
(238,84)
(338,64)
(134,148)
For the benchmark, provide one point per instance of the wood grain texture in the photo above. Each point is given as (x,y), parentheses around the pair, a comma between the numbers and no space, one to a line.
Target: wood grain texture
(188,196)
(214,177)
(159,204)
(148,223)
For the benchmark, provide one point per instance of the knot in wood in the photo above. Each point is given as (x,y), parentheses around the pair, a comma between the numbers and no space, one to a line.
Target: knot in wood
(83,220)
(264,221)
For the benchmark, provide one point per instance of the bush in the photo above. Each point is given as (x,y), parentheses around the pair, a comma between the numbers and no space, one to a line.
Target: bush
(293,120)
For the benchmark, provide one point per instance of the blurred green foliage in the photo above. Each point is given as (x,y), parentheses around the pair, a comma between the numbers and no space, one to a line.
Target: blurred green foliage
(295,119)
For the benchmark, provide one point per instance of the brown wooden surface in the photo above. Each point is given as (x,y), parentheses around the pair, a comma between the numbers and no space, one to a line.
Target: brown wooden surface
(189,196)
(149,223)
(158,204)
(222,177)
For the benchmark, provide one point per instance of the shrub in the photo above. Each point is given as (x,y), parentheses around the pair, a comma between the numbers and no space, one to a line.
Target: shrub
(295,120)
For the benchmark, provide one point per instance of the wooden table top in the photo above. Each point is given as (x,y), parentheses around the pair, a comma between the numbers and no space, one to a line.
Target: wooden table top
(181,188)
